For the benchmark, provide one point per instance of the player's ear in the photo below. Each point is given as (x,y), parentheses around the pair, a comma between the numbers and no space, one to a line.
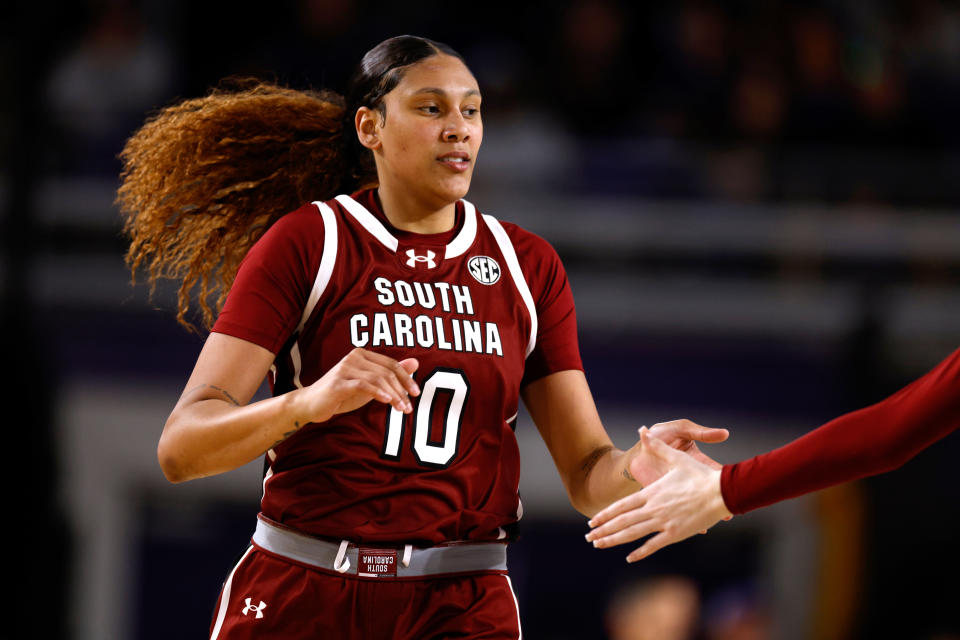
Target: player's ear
(366,122)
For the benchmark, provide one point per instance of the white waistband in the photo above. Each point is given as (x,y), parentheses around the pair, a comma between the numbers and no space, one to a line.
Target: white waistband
(465,557)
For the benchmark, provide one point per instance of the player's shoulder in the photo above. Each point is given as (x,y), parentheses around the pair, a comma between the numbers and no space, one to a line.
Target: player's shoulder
(526,243)
(306,216)
(298,235)
(302,225)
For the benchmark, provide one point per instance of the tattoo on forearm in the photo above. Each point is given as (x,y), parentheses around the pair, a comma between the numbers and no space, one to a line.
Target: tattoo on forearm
(296,427)
(226,393)
(591,460)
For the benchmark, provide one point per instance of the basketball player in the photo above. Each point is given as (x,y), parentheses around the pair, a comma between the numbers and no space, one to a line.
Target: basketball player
(691,497)
(398,326)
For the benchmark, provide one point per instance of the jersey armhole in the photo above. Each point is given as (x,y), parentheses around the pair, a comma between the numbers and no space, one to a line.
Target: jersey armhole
(516,274)
(327,262)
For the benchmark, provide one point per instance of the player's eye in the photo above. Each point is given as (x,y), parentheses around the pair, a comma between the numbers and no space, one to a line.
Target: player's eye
(429,108)
(471,111)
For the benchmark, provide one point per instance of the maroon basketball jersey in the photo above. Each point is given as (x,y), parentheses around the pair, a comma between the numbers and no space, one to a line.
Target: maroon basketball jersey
(485,308)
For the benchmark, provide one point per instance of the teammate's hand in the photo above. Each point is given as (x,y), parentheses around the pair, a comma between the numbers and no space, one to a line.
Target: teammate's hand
(679,434)
(359,377)
(685,501)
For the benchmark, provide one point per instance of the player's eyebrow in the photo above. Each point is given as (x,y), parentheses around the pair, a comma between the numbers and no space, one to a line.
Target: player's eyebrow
(441,92)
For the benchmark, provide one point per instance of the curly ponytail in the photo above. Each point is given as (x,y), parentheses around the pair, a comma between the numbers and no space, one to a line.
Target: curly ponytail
(203,179)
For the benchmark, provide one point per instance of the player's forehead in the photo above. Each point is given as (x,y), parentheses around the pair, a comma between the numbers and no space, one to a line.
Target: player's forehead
(441,73)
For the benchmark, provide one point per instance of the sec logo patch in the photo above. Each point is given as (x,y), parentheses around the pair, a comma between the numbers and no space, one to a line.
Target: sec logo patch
(484,269)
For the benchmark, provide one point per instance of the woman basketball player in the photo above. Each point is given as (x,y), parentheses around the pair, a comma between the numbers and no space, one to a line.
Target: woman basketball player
(398,327)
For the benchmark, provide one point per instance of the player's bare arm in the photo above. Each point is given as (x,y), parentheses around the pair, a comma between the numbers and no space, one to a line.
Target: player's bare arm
(594,472)
(212,429)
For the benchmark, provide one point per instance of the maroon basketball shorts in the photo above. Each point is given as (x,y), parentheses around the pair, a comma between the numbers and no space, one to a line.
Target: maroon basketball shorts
(293,587)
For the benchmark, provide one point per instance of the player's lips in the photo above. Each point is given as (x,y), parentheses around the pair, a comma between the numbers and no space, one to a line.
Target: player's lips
(456,160)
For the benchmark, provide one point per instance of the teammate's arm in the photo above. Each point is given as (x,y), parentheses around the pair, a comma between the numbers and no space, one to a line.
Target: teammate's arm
(872,440)
(212,429)
(878,438)
(594,472)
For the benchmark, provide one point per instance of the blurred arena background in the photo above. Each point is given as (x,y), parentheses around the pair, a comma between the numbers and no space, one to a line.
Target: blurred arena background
(757,204)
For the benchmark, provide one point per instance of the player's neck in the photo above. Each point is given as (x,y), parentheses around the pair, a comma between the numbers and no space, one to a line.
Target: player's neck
(407,213)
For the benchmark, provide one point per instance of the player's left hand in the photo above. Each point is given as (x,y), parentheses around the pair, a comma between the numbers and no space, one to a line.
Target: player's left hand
(685,501)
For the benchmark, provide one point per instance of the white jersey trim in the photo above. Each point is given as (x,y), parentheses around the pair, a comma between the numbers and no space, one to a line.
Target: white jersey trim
(369,222)
(324,272)
(271,458)
(297,364)
(327,261)
(464,240)
(457,247)
(266,476)
(513,266)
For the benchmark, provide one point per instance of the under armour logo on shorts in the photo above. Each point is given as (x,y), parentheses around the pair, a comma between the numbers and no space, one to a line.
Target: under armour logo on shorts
(250,607)
(414,259)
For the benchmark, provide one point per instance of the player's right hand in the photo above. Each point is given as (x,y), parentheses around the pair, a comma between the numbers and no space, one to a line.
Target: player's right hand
(687,500)
(682,435)
(359,377)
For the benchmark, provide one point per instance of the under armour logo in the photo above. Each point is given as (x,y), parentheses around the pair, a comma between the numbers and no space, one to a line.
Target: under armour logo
(414,258)
(250,607)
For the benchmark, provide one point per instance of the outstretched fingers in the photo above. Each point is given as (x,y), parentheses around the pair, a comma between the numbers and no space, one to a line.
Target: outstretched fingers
(690,430)
(675,458)
(628,533)
(630,519)
(623,505)
(650,546)
(622,522)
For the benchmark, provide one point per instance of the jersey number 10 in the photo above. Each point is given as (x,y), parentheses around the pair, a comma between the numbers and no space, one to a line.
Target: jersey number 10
(441,382)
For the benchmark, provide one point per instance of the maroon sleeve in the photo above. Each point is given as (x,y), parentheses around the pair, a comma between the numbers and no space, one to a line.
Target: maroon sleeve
(872,440)
(556,348)
(274,281)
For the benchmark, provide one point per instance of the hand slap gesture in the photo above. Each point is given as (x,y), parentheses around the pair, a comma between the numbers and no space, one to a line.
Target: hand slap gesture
(685,501)
(682,435)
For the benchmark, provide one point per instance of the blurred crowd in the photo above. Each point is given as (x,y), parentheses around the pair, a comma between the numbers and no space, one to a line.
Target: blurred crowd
(743,100)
